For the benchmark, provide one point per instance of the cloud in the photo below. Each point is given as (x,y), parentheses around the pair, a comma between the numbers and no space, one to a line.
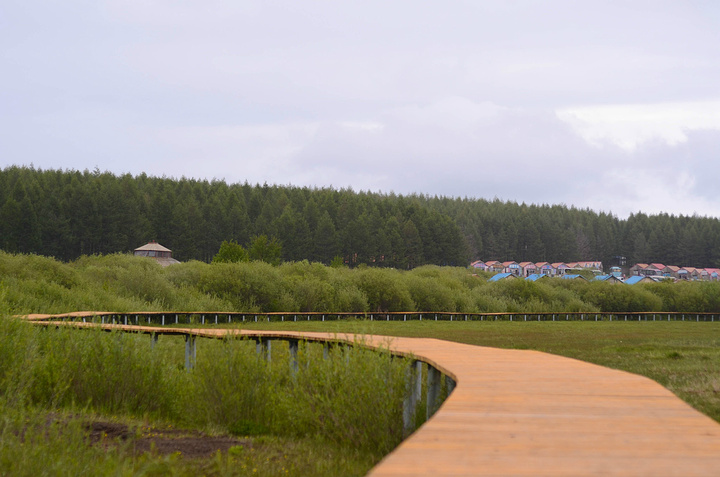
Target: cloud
(631,125)
(608,105)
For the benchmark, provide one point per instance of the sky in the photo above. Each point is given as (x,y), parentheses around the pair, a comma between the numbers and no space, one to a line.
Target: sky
(608,105)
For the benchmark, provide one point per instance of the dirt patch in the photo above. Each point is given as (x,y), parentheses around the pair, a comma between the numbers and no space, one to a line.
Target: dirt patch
(161,441)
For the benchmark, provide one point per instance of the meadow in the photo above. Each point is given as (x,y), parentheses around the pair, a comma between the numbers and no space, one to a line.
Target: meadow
(58,385)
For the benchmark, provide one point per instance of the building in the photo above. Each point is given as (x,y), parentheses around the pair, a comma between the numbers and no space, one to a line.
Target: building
(528,268)
(157,252)
(502,276)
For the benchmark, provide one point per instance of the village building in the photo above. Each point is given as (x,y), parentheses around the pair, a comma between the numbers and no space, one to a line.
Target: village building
(512,267)
(527,268)
(607,279)
(479,264)
(502,276)
(544,268)
(157,252)
(559,268)
(494,266)
(638,279)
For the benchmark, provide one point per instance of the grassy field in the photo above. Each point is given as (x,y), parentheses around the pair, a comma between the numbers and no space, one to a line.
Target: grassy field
(145,414)
(682,356)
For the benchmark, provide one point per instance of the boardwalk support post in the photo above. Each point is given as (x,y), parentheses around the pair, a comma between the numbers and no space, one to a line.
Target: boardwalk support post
(262,347)
(433,389)
(190,351)
(293,345)
(153,340)
(449,384)
(414,374)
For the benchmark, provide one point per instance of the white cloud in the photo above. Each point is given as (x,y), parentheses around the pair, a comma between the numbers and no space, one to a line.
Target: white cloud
(631,125)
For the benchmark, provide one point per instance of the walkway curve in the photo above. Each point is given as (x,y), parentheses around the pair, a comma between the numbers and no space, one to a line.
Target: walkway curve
(528,413)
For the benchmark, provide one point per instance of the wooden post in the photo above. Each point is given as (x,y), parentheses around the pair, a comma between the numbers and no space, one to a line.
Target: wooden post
(433,389)
(414,390)
(262,347)
(449,384)
(154,340)
(190,351)
(293,345)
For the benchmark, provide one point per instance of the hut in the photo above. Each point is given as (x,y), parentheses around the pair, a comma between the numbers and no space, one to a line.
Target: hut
(154,250)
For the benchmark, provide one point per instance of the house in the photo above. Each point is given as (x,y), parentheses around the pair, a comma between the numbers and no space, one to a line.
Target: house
(544,268)
(572,276)
(512,267)
(502,276)
(591,264)
(157,252)
(638,279)
(638,268)
(535,277)
(607,279)
(527,268)
(479,264)
(494,266)
(646,270)
(671,271)
(559,268)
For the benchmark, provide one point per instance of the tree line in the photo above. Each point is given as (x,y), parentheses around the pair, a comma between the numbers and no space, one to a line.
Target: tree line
(68,213)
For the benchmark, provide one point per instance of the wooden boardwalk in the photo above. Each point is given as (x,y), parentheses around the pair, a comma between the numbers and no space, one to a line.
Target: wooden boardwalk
(527,413)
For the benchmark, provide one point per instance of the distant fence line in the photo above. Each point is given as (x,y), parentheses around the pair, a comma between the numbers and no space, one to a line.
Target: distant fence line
(164,318)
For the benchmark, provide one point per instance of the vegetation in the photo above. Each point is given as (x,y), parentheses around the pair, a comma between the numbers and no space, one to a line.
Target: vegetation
(66,214)
(52,381)
(118,282)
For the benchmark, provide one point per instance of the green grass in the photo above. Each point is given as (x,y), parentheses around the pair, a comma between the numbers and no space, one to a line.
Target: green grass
(309,421)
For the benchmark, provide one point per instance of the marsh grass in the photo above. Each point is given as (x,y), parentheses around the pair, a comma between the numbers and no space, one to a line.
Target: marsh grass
(351,401)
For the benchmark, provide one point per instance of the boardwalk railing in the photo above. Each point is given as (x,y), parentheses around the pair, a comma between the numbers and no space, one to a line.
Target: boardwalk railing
(164,318)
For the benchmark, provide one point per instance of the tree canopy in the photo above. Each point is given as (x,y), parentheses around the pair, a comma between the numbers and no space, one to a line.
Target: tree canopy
(67,214)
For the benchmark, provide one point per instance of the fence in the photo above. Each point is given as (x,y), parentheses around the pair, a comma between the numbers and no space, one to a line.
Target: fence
(224,317)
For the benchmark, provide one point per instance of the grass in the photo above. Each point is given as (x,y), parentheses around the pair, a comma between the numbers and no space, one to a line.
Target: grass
(309,421)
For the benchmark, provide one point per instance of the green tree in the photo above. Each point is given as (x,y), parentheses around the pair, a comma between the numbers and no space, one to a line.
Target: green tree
(264,249)
(231,252)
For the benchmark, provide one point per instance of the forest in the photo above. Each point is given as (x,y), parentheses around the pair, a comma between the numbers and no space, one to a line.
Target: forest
(67,214)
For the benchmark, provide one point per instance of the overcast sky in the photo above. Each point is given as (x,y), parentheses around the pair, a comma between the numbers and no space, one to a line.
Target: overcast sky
(611,105)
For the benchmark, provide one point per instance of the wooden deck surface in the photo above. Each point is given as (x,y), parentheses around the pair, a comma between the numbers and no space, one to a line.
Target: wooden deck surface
(527,413)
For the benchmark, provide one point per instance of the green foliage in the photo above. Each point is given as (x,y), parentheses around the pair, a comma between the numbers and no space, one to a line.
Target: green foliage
(265,249)
(231,252)
(118,282)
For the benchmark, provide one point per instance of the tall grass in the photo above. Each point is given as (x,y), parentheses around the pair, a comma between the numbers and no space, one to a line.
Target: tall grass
(353,398)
